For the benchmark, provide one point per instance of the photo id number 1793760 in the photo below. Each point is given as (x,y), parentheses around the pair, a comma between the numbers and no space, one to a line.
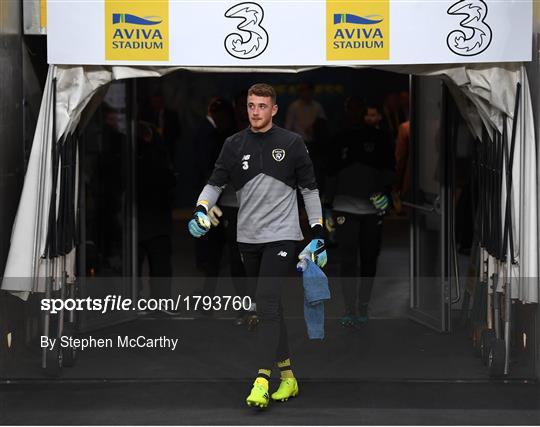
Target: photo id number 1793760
(216,303)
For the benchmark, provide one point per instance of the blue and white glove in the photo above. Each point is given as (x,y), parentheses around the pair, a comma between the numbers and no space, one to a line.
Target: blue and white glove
(200,224)
(316,251)
(381,202)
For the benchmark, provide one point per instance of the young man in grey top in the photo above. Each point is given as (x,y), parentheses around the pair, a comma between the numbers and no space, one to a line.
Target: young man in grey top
(266,165)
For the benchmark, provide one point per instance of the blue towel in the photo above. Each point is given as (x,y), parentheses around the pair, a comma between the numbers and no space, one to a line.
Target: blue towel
(316,291)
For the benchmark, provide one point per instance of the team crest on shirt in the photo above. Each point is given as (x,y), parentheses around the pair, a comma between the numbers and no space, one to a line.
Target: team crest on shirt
(278,154)
(369,147)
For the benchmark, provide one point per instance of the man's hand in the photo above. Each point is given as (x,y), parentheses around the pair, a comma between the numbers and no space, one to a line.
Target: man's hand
(215,214)
(199,225)
(380,201)
(316,251)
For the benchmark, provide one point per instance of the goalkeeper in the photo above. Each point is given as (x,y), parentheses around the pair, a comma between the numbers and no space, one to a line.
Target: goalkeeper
(266,165)
(361,172)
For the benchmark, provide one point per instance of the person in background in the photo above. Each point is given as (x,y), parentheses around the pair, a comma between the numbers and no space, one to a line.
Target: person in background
(391,115)
(358,194)
(112,164)
(164,120)
(155,182)
(216,127)
(218,124)
(318,150)
(240,110)
(403,161)
(404,106)
(303,112)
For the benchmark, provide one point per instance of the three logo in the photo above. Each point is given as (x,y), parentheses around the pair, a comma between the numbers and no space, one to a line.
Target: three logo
(245,159)
(480,34)
(251,39)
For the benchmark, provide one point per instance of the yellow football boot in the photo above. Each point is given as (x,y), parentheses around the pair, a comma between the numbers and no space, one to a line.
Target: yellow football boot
(287,388)
(259,394)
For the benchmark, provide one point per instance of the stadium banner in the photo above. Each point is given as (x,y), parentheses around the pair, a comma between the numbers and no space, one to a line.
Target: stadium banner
(288,33)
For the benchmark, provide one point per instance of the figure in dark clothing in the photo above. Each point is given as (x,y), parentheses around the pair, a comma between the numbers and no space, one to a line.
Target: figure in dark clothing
(217,126)
(358,192)
(391,115)
(240,111)
(155,181)
(209,137)
(112,165)
(318,149)
(165,121)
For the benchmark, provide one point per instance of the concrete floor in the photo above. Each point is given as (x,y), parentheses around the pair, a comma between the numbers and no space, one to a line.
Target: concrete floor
(319,403)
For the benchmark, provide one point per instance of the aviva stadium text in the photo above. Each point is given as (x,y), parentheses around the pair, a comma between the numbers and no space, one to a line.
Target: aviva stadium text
(139,38)
(358,38)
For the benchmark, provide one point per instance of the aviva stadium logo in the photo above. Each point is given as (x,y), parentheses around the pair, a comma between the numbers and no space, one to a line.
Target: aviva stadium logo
(357,30)
(137,30)
(119,18)
(347,18)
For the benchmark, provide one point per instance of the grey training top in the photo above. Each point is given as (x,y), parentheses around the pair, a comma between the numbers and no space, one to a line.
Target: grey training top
(266,169)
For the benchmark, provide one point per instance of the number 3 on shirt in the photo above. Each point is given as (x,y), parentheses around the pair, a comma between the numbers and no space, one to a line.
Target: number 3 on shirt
(245,164)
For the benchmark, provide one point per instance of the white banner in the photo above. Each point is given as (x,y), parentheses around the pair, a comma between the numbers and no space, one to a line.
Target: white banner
(288,33)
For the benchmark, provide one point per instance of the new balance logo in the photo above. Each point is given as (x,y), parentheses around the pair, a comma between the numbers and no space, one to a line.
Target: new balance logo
(246,157)
(283,254)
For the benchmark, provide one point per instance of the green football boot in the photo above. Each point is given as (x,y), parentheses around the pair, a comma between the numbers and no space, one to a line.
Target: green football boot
(287,388)
(360,319)
(347,320)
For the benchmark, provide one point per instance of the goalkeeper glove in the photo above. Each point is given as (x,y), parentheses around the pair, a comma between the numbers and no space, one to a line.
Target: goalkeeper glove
(199,225)
(316,249)
(380,201)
